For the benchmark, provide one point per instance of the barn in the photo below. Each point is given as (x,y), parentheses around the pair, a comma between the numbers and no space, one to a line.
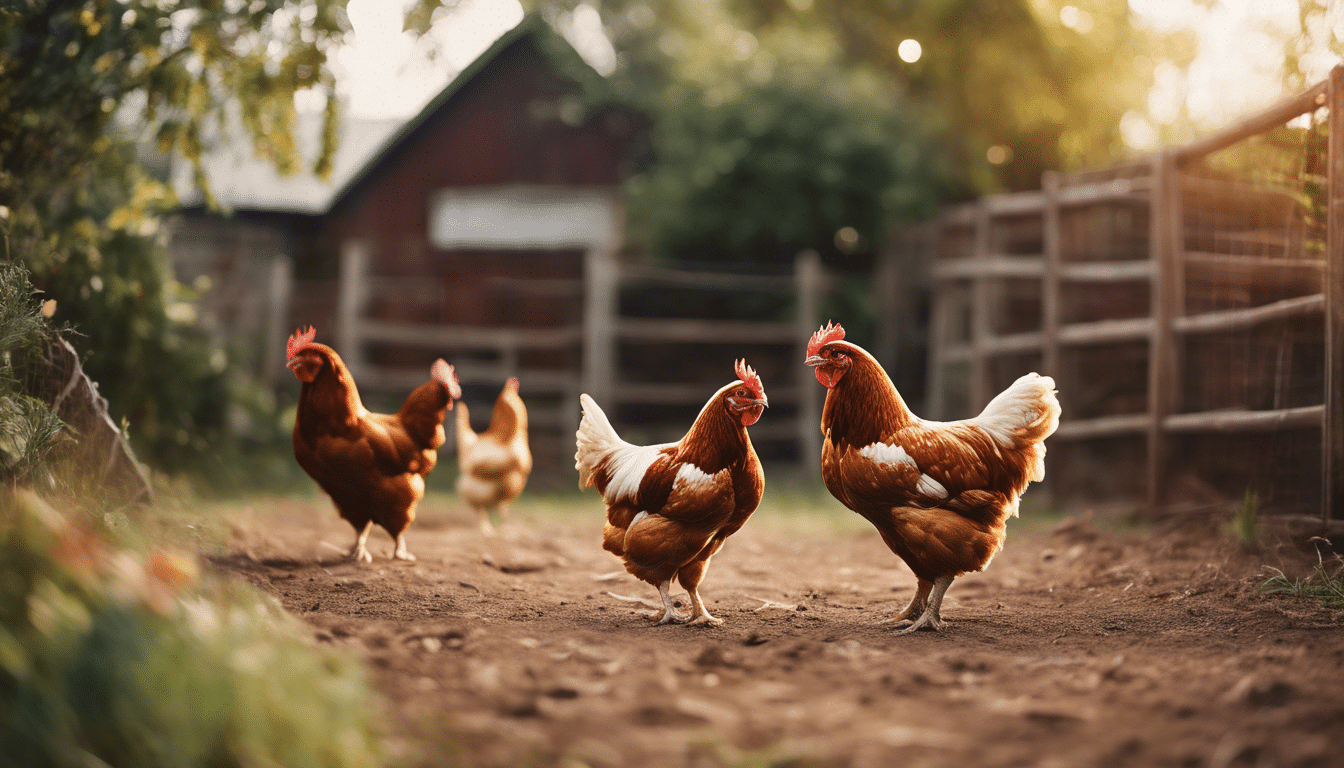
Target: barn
(466,232)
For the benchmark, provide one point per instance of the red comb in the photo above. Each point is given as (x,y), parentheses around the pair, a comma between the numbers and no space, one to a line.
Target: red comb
(444,374)
(749,377)
(298,340)
(831,332)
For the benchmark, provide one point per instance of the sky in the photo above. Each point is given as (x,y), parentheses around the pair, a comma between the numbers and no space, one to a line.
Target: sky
(384,73)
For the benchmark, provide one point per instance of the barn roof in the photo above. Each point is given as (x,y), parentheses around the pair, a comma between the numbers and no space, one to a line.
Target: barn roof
(561,55)
(240,181)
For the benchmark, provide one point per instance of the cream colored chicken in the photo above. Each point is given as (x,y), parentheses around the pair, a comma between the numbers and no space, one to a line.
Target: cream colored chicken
(494,465)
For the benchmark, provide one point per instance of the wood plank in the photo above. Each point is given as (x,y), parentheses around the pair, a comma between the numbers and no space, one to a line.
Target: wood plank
(1241,422)
(1258,263)
(808,275)
(1108,271)
(1242,319)
(1332,432)
(1014,203)
(381,379)
(1166,240)
(457,337)
(697,394)
(695,331)
(601,307)
(1269,119)
(722,281)
(981,323)
(1134,190)
(1106,331)
(1051,318)
(1104,426)
(995,265)
(1013,343)
(351,297)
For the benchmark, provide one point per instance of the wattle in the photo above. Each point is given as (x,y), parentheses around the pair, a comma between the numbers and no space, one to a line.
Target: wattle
(829,377)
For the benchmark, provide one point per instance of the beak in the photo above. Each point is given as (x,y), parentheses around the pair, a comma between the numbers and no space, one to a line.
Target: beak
(814,361)
(764,401)
(290,365)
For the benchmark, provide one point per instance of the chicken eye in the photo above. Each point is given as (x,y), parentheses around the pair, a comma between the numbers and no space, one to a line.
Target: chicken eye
(741,393)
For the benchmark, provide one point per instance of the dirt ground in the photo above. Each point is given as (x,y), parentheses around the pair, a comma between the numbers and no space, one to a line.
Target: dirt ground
(1077,647)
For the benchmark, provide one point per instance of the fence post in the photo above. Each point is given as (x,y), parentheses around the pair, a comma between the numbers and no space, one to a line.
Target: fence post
(280,289)
(1050,308)
(1168,296)
(601,284)
(808,278)
(886,284)
(1332,426)
(353,294)
(981,329)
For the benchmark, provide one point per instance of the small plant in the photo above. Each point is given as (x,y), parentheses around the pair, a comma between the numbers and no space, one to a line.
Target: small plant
(1244,522)
(110,656)
(1325,583)
(28,429)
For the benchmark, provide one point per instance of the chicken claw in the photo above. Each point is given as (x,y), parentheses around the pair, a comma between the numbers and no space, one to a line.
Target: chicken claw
(401,553)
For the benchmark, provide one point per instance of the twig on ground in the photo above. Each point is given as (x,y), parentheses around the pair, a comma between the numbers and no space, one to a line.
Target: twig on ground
(772,604)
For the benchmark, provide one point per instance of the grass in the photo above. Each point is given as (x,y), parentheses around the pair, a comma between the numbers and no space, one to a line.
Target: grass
(1325,583)
(1244,521)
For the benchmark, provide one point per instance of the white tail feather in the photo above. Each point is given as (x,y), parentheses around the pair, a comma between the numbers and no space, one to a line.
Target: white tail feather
(1022,416)
(599,448)
(595,440)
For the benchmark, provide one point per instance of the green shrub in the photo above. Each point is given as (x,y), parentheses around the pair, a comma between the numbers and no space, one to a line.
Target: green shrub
(113,657)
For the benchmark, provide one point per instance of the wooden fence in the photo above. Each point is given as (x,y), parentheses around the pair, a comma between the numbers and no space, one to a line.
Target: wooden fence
(598,352)
(1190,305)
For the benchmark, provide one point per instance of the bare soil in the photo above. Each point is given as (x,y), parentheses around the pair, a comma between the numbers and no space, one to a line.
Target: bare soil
(1077,647)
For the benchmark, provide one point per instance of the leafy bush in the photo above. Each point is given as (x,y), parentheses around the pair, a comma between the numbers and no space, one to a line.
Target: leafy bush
(113,657)
(27,428)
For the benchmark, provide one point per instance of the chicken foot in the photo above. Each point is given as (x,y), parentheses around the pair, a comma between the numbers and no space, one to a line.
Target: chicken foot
(360,552)
(916,605)
(400,553)
(929,618)
(670,615)
(700,615)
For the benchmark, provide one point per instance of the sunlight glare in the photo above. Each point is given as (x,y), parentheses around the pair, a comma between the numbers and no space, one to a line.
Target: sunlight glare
(910,50)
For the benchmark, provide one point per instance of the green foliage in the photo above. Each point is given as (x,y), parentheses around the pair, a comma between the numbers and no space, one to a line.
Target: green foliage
(82,85)
(111,657)
(28,429)
(1244,521)
(1325,583)
(791,124)
(778,168)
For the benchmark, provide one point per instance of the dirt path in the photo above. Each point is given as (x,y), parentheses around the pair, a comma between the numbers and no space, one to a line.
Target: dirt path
(1076,648)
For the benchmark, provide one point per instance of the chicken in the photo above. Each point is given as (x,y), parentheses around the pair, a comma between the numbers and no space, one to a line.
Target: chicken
(372,465)
(940,494)
(670,507)
(494,465)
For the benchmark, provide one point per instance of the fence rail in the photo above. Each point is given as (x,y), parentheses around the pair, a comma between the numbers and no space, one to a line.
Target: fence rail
(487,355)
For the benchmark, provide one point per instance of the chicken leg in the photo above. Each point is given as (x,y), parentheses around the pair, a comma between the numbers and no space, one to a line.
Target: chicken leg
(916,606)
(669,615)
(929,618)
(401,553)
(690,576)
(360,552)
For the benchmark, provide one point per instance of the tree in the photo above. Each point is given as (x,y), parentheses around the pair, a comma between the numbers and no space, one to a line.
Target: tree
(82,82)
(790,124)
